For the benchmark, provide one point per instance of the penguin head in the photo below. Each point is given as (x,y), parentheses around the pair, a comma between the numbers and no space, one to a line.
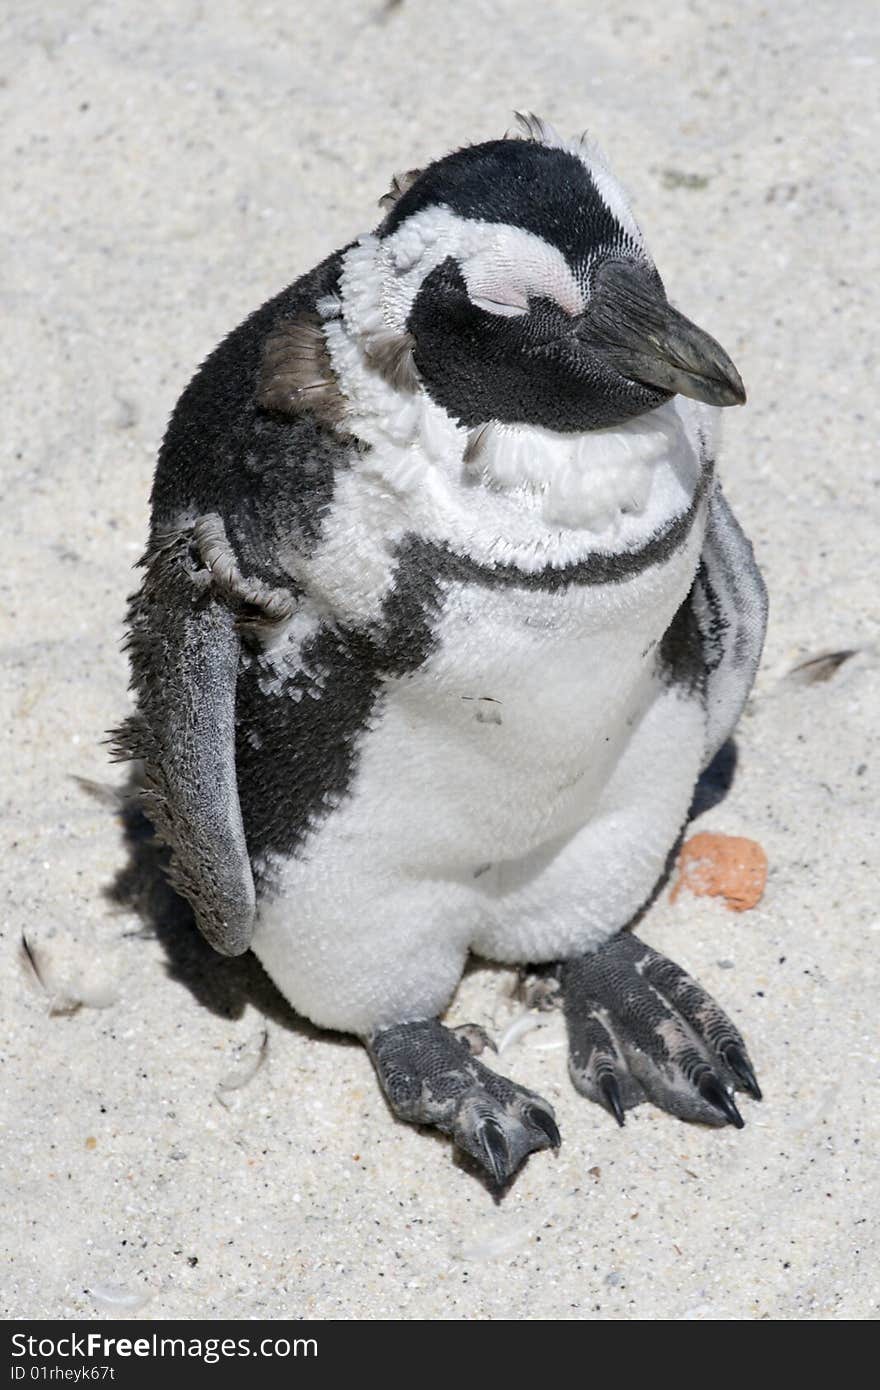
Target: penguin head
(518,274)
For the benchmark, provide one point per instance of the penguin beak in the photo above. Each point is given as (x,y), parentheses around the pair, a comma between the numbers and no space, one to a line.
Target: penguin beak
(630,321)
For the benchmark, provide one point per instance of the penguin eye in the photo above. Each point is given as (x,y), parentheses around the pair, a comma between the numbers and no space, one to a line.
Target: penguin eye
(512,307)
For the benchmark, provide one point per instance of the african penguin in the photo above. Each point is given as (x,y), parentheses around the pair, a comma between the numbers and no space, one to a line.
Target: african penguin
(443,613)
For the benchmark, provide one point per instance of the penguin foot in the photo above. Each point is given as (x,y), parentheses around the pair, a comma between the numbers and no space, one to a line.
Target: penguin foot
(640,1028)
(430,1077)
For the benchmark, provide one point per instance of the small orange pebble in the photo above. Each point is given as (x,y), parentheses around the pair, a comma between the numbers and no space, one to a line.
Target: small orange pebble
(91,1142)
(725,866)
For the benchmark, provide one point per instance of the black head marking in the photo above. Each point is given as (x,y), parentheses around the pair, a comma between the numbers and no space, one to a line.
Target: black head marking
(535,369)
(545,191)
(547,310)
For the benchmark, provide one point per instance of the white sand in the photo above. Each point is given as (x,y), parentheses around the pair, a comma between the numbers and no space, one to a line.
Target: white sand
(168,167)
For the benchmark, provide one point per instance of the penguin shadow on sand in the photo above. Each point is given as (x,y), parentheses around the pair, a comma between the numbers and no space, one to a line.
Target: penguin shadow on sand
(224,984)
(714,784)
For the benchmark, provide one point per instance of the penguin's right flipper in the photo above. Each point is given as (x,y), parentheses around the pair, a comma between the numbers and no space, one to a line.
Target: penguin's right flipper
(430,1077)
(185,645)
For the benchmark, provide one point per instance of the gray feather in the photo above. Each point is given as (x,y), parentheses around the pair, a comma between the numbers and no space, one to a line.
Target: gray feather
(477,440)
(391,353)
(185,651)
(400,184)
(296,373)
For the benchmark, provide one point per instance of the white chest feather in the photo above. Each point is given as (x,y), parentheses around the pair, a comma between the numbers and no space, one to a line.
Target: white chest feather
(520,713)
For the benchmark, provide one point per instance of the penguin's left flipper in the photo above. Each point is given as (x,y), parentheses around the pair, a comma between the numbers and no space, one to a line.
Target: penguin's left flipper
(185,642)
(641,1029)
(729,603)
(430,1077)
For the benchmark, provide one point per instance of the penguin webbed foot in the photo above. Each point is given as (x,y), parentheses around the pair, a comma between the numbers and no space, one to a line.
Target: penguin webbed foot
(430,1077)
(640,1028)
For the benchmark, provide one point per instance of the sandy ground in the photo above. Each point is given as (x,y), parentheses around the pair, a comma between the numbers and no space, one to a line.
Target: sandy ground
(168,166)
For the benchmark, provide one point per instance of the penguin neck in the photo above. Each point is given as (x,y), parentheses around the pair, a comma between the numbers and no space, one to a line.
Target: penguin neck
(587,481)
(524,493)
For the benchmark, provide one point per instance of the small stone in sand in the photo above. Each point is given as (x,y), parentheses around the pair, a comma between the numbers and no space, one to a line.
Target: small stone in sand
(726,866)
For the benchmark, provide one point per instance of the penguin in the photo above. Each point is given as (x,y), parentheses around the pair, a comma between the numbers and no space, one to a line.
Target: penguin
(443,612)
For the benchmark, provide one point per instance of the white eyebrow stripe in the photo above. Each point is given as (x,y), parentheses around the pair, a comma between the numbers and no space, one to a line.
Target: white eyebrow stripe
(499,262)
(516,265)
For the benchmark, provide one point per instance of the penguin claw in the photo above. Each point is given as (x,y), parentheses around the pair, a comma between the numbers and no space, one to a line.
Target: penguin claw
(500,1137)
(494,1151)
(544,1121)
(714,1092)
(430,1077)
(611,1092)
(742,1069)
(641,1029)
